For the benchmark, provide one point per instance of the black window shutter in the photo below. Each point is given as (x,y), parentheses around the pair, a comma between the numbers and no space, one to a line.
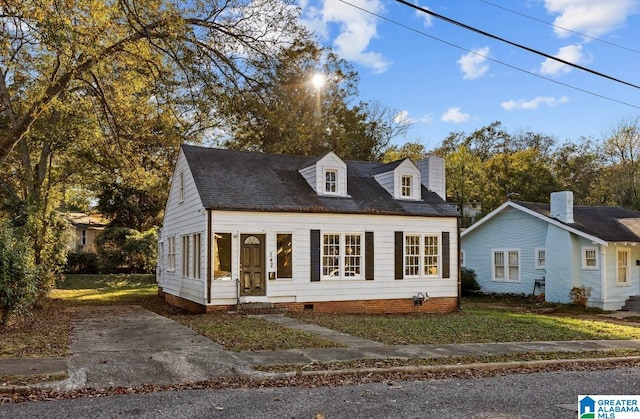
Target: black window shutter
(315,255)
(399,254)
(446,255)
(368,255)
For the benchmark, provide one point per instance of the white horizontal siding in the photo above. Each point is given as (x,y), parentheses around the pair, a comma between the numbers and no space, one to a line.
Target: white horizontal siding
(181,218)
(301,289)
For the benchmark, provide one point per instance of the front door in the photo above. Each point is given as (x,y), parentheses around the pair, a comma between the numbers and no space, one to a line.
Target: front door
(252,269)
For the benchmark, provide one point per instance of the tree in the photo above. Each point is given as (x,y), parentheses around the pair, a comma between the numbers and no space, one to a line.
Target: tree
(577,167)
(287,113)
(188,49)
(412,150)
(18,288)
(620,180)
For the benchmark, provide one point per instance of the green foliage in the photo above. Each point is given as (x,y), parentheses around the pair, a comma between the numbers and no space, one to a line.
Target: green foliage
(469,281)
(18,281)
(122,249)
(81,263)
(580,295)
(286,113)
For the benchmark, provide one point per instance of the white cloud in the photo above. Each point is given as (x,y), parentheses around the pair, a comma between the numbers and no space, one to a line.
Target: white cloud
(426,119)
(473,64)
(427,19)
(550,101)
(591,17)
(455,115)
(356,29)
(570,53)
(403,117)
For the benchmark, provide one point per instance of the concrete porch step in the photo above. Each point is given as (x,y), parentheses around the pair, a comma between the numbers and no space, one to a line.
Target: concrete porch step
(632,304)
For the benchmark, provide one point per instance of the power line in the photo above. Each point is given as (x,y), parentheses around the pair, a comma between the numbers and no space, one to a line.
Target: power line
(489,58)
(515,44)
(560,27)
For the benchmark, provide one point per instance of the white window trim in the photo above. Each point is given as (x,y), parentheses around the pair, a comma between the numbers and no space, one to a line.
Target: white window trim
(463,263)
(628,252)
(505,266)
(536,256)
(583,257)
(342,256)
(421,255)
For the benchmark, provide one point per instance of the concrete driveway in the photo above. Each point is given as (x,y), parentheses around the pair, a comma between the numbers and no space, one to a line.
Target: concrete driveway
(127,346)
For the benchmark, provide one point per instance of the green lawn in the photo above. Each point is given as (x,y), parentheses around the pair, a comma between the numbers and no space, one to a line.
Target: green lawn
(46,332)
(476,325)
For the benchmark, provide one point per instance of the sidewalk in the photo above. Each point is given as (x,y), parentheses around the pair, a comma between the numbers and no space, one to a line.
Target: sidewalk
(357,348)
(128,346)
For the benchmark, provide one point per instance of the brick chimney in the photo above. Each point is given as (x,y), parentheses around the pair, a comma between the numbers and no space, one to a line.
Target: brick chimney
(562,206)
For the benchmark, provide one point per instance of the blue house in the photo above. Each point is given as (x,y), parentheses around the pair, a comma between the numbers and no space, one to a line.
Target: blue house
(526,247)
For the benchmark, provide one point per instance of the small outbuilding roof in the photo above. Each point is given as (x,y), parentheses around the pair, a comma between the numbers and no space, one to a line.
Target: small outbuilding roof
(239,180)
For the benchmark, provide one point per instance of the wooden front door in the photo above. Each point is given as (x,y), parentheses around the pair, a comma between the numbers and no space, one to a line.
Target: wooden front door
(252,266)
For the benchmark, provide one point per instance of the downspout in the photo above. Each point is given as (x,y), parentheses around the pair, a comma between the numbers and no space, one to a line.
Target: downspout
(209,259)
(603,274)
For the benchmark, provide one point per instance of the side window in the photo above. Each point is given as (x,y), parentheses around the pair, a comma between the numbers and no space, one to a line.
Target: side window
(222,256)
(285,256)
(330,181)
(540,258)
(506,265)
(589,258)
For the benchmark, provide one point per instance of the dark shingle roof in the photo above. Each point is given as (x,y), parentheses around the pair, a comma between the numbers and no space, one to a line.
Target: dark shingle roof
(612,224)
(237,180)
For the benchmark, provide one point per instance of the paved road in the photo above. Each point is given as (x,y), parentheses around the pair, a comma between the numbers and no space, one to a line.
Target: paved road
(541,395)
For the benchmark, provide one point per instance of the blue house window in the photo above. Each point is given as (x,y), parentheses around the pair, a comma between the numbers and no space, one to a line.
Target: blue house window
(506,265)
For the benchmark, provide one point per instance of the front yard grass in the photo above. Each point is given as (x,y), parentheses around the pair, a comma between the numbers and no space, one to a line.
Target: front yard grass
(46,332)
(475,325)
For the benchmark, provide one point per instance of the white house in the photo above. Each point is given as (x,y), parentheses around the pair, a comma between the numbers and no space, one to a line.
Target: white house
(525,247)
(321,234)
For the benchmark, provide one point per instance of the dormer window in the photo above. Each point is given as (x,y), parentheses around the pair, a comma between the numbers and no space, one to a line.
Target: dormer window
(330,181)
(406,186)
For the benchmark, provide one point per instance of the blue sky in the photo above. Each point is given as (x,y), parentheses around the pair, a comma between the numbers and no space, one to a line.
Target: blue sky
(443,88)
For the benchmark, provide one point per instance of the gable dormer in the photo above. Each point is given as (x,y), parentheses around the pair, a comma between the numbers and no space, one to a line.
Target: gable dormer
(401,179)
(327,175)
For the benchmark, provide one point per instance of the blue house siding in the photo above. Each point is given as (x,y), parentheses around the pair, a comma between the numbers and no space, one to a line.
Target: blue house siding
(510,229)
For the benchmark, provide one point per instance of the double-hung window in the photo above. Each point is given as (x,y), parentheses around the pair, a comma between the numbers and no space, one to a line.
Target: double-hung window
(540,256)
(171,253)
(342,255)
(506,265)
(185,256)
(331,181)
(589,258)
(406,186)
(623,266)
(421,255)
(196,256)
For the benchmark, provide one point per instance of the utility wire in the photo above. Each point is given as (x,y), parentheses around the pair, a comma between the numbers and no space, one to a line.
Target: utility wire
(402,25)
(560,27)
(515,44)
